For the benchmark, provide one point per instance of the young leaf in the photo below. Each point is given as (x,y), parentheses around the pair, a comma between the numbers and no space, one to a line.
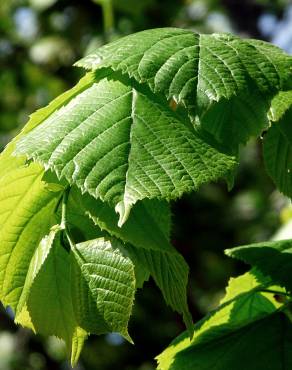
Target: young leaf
(49,304)
(110,278)
(243,304)
(273,259)
(27,207)
(120,145)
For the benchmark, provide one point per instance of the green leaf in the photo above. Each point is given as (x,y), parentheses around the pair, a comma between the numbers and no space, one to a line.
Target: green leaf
(170,272)
(39,116)
(233,121)
(40,255)
(148,225)
(69,295)
(81,209)
(121,145)
(280,104)
(48,306)
(277,148)
(262,345)
(27,207)
(147,236)
(185,66)
(244,303)
(273,259)
(110,278)
(243,307)
(198,71)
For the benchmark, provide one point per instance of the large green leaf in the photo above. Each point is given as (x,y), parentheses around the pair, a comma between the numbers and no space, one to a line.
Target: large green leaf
(263,345)
(145,149)
(197,71)
(187,66)
(274,259)
(242,310)
(121,145)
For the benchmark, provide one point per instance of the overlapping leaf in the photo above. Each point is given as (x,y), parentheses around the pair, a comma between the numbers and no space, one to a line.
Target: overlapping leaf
(198,71)
(123,135)
(233,121)
(47,306)
(280,104)
(193,68)
(27,206)
(51,292)
(146,233)
(147,227)
(121,145)
(274,259)
(70,295)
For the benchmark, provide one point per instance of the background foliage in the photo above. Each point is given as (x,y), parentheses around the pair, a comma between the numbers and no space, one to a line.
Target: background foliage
(39,41)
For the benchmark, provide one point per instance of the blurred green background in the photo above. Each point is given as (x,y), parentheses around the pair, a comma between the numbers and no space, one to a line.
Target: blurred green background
(39,41)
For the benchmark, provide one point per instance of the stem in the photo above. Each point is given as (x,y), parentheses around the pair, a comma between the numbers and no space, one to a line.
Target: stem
(108,18)
(64,224)
(288,313)
(274,292)
(64,208)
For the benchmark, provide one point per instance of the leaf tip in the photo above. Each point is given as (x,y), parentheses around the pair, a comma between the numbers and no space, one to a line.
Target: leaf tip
(228,252)
(123,209)
(187,317)
(78,339)
(127,336)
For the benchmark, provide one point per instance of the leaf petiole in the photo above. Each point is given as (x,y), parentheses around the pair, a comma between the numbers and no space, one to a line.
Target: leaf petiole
(274,292)
(64,224)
